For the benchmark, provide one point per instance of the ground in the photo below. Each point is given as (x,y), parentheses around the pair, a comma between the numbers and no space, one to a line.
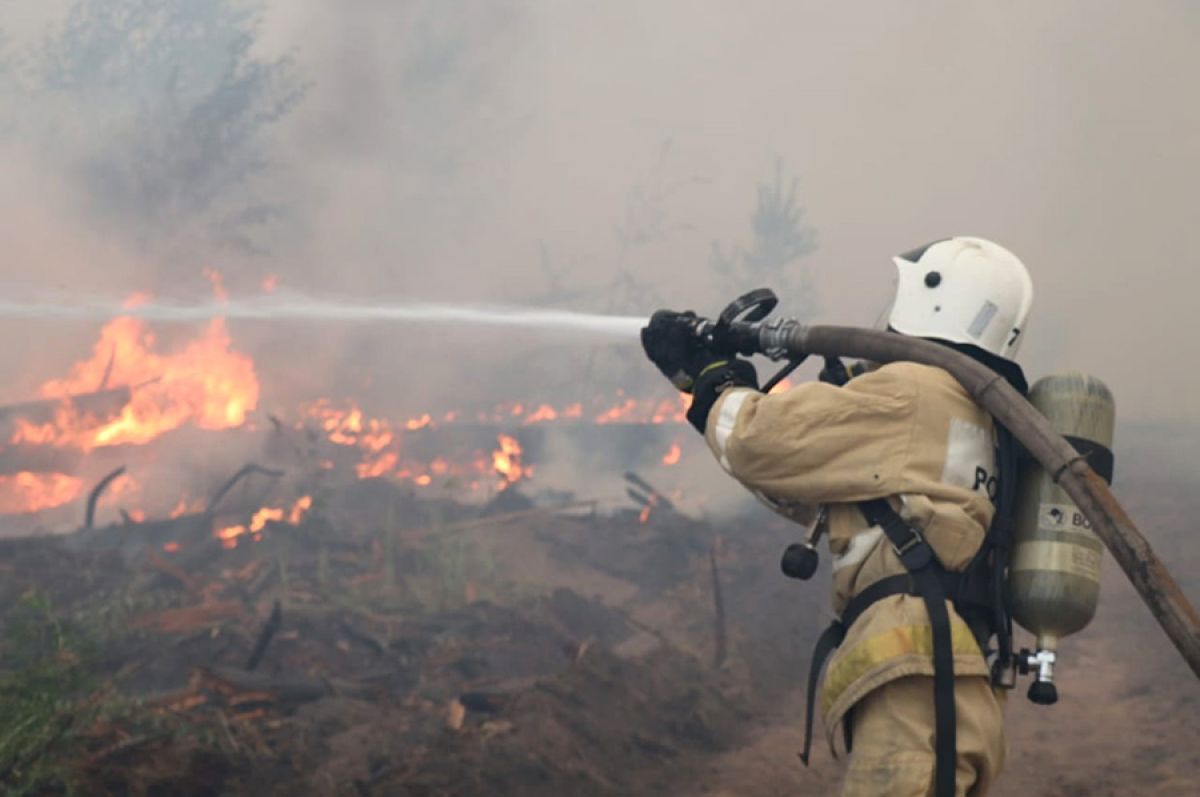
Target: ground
(430,648)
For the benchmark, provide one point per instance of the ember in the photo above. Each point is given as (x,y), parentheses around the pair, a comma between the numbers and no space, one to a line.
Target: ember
(672,456)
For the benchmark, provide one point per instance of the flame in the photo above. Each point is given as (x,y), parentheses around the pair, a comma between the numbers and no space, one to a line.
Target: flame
(351,427)
(542,414)
(218,284)
(413,424)
(299,509)
(205,383)
(33,492)
(269,283)
(231,535)
(620,412)
(379,466)
(672,456)
(185,507)
(506,461)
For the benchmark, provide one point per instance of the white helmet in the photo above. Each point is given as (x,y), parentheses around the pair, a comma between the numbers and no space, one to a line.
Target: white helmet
(964,290)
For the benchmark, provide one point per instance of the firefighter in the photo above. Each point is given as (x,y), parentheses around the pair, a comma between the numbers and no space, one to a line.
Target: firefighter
(903,470)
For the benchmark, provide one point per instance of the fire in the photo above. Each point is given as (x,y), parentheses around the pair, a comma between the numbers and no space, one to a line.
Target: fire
(506,461)
(206,383)
(613,414)
(230,535)
(542,414)
(379,466)
(218,284)
(134,387)
(351,427)
(185,507)
(298,509)
(33,492)
(673,455)
(413,424)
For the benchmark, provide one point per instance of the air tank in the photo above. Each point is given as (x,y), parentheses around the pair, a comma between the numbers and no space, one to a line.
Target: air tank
(1054,570)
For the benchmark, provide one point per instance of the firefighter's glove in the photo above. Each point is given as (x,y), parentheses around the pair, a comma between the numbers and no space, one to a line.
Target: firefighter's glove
(671,345)
(715,379)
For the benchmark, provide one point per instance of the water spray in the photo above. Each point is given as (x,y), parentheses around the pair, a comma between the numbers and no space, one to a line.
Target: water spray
(291,306)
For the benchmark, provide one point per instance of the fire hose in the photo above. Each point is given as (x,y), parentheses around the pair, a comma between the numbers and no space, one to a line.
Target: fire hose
(741,329)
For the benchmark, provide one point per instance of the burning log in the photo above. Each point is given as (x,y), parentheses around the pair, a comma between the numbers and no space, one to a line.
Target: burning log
(647,497)
(101,404)
(651,495)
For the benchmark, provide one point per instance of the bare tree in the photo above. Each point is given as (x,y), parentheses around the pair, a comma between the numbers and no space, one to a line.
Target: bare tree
(180,109)
(780,240)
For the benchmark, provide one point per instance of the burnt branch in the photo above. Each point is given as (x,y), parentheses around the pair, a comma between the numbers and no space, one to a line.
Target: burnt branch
(89,517)
(245,471)
(264,637)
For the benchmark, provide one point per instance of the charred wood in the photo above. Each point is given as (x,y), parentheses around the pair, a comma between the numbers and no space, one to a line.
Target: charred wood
(230,681)
(89,517)
(101,404)
(269,629)
(245,471)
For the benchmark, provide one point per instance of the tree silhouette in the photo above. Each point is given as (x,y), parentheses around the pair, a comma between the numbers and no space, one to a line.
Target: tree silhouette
(178,110)
(780,239)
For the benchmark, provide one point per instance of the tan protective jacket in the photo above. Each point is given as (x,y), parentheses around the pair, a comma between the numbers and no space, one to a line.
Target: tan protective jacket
(905,431)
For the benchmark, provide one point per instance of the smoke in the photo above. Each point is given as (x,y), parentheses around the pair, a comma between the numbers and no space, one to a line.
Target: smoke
(595,156)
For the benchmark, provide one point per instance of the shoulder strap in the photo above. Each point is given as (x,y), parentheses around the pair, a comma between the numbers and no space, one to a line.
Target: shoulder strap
(918,558)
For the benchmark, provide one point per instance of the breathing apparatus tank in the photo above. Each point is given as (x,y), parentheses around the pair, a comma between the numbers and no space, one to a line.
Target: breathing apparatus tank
(1054,570)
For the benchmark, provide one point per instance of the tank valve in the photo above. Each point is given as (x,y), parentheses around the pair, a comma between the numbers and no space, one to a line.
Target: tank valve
(1042,691)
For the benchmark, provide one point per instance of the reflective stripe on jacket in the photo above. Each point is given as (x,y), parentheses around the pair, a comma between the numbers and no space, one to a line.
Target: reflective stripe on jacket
(904,431)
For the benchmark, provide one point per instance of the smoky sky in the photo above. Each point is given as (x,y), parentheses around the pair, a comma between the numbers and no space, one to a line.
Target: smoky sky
(591,155)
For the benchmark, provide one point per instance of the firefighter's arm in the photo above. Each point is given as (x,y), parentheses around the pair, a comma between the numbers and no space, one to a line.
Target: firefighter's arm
(817,443)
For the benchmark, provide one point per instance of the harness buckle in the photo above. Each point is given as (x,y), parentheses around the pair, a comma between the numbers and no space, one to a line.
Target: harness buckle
(914,553)
(1004,674)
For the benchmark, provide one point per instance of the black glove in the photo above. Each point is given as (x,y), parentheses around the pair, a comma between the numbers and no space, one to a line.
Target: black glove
(671,345)
(691,366)
(715,379)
